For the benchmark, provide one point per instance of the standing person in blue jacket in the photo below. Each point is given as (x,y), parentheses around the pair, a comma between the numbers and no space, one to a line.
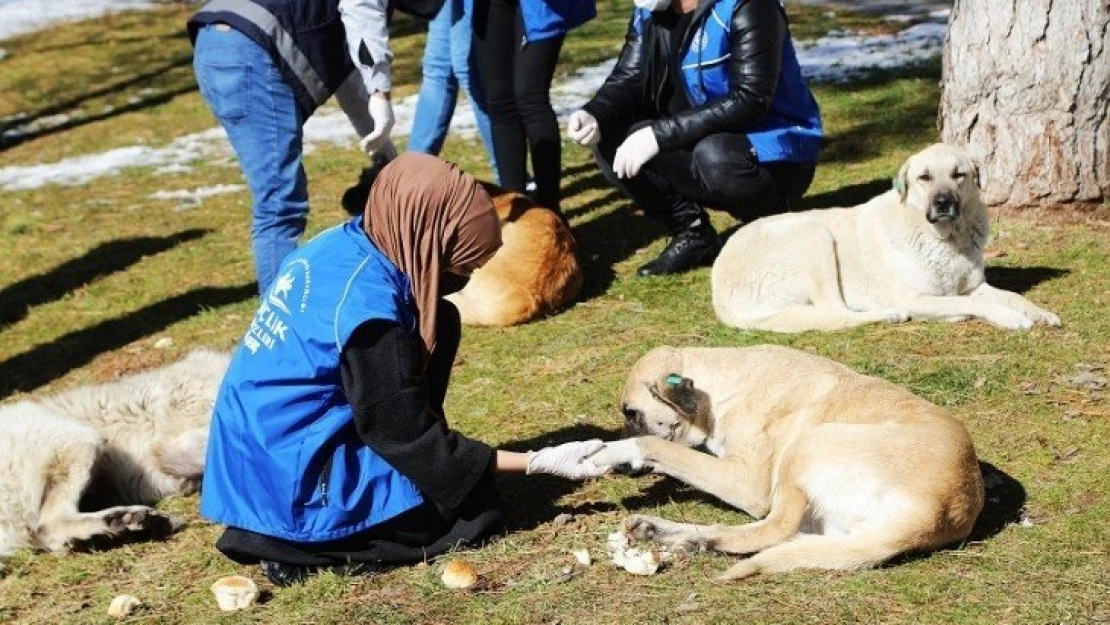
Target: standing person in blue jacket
(706,107)
(264,66)
(448,65)
(328,445)
(516,47)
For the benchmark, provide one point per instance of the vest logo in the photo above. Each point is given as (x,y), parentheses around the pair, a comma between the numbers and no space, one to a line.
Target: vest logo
(288,294)
(699,41)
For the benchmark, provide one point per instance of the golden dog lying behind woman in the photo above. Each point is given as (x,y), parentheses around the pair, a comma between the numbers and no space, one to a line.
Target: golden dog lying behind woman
(534,274)
(844,470)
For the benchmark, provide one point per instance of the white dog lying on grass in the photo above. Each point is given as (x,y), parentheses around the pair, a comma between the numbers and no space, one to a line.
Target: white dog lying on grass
(913,252)
(114,448)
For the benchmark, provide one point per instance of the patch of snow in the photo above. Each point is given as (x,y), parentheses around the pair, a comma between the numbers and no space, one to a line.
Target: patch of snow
(82,169)
(840,57)
(19,17)
(831,58)
(195,197)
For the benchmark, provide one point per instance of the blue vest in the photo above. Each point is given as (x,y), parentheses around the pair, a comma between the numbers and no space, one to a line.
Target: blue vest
(791,130)
(544,19)
(306,39)
(284,457)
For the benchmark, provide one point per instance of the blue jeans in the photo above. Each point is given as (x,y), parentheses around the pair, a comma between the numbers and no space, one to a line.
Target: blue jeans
(250,98)
(448,64)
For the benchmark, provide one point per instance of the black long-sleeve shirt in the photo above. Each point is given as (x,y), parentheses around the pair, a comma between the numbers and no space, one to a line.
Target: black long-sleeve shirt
(398,411)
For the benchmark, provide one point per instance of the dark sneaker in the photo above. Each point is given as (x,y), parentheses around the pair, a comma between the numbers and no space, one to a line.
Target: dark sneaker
(282,575)
(693,247)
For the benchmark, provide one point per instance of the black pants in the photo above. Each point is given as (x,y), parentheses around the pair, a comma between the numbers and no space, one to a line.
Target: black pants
(516,79)
(720,172)
(423,532)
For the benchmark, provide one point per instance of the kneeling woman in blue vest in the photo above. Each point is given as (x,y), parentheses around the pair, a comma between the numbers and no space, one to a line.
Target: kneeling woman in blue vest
(706,107)
(328,445)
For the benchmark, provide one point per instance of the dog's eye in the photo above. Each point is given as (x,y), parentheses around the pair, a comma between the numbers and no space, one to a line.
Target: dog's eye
(959,176)
(925,177)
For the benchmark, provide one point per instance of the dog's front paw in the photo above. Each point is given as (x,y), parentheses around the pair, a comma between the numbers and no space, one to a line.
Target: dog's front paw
(623,455)
(1010,319)
(1040,315)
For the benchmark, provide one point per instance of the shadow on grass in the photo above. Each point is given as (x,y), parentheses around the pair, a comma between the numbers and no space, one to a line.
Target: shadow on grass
(140,103)
(48,362)
(849,195)
(105,259)
(607,240)
(1004,505)
(532,500)
(1022,279)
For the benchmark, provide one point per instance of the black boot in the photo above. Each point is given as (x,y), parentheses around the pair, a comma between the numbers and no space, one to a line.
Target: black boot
(695,246)
(282,575)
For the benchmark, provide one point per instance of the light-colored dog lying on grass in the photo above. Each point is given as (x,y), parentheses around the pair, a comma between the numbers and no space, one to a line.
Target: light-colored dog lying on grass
(115,448)
(845,470)
(915,251)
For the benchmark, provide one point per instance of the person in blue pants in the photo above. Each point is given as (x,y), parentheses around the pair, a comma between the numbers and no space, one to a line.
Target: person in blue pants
(263,67)
(448,65)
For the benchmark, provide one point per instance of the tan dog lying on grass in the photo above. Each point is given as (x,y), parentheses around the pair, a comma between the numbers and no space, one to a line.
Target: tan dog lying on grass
(534,274)
(913,252)
(845,470)
(88,463)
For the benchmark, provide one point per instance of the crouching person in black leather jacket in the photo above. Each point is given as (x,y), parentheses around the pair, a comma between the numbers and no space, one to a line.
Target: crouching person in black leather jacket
(706,107)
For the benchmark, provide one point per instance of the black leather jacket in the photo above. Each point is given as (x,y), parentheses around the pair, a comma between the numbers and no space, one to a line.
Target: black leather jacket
(631,92)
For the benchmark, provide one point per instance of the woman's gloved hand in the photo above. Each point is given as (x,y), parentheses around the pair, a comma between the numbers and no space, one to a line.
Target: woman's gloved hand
(567,460)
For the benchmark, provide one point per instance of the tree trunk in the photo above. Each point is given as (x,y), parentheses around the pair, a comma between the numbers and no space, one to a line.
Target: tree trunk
(1027,89)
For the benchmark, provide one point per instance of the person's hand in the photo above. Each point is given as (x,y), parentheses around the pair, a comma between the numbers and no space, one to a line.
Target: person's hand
(582,128)
(381,111)
(639,148)
(567,460)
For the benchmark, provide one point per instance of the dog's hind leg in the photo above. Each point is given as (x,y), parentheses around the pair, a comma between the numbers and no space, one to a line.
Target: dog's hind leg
(802,318)
(183,455)
(816,551)
(782,523)
(61,525)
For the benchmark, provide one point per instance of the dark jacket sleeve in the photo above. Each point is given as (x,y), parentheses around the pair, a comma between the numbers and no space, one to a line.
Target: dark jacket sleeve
(758,30)
(383,378)
(622,93)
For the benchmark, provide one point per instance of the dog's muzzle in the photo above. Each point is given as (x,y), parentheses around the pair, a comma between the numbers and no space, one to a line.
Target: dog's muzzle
(944,207)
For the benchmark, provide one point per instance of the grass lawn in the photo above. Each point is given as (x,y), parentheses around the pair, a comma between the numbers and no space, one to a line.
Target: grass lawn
(97,273)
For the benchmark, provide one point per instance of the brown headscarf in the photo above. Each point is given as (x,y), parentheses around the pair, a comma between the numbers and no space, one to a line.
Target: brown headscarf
(428,216)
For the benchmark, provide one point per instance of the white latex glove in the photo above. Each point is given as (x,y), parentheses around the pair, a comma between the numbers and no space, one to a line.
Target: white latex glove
(639,148)
(567,460)
(582,128)
(381,111)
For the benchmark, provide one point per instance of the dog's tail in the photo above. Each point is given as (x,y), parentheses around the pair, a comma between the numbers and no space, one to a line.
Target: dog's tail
(183,455)
(816,551)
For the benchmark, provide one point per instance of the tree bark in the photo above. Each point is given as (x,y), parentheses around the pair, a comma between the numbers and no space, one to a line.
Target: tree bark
(1027,90)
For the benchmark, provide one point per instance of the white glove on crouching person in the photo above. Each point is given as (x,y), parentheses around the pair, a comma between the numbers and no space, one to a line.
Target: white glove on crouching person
(381,111)
(582,128)
(639,148)
(567,460)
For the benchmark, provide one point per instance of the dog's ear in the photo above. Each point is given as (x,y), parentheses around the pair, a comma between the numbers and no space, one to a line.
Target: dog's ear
(902,182)
(980,172)
(680,391)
